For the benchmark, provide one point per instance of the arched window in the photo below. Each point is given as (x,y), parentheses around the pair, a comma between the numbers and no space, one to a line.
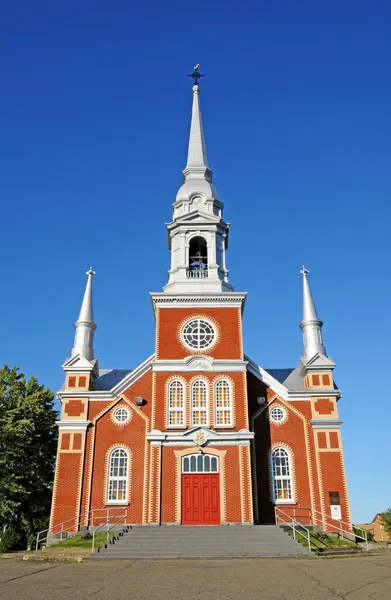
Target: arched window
(175,403)
(198,258)
(200,463)
(223,404)
(282,475)
(117,489)
(199,403)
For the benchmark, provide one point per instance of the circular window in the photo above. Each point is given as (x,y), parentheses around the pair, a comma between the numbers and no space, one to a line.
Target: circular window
(121,415)
(277,414)
(198,334)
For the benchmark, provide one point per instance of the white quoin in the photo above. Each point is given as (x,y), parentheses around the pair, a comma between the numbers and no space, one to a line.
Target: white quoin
(85,326)
(197,235)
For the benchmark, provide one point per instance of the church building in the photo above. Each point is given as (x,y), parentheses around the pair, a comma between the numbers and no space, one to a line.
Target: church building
(199,433)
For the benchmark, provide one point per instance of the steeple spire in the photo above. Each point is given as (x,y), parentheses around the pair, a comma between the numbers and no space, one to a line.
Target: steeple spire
(311,325)
(197,161)
(85,325)
(197,234)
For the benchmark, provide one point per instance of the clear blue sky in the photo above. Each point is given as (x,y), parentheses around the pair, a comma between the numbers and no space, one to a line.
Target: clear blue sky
(94,115)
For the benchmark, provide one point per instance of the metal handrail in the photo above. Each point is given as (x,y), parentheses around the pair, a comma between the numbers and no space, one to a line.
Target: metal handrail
(88,516)
(292,524)
(340,529)
(107,524)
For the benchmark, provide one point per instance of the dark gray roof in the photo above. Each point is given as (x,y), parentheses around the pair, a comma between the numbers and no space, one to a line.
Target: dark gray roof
(290,378)
(280,374)
(108,378)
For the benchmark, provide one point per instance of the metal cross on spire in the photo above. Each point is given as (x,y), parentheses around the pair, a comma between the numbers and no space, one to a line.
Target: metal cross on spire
(304,271)
(196,74)
(90,272)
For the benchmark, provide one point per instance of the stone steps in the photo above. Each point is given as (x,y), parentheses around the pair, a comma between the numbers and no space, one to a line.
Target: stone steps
(201,542)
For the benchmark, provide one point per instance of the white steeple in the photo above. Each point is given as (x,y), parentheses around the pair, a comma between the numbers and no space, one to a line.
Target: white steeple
(85,326)
(197,235)
(197,162)
(311,325)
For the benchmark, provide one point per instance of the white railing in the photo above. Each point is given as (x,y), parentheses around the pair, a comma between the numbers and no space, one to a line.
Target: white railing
(326,522)
(285,519)
(342,527)
(101,534)
(197,274)
(92,518)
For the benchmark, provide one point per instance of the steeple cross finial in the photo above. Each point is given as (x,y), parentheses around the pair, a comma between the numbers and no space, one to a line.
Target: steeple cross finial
(304,271)
(196,74)
(90,272)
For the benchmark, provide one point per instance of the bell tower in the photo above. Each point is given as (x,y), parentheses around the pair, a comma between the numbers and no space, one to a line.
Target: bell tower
(197,234)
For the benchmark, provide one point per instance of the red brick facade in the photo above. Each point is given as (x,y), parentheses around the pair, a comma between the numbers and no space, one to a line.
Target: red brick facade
(198,433)
(155,466)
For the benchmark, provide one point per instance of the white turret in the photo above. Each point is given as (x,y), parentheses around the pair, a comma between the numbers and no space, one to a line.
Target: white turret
(197,235)
(85,326)
(311,325)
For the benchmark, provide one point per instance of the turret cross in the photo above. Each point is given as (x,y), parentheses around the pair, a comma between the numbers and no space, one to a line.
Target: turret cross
(196,75)
(304,271)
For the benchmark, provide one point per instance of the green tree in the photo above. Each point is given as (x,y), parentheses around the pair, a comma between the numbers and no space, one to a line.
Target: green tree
(27,451)
(385,518)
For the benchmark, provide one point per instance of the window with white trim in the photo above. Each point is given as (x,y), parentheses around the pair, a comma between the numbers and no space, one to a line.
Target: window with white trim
(117,488)
(199,403)
(282,475)
(175,403)
(277,414)
(223,404)
(198,334)
(121,415)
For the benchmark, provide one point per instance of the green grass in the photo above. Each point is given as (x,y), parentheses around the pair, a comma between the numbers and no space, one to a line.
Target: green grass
(79,542)
(321,541)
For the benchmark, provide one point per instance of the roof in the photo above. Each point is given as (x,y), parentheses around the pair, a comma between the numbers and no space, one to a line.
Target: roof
(108,378)
(290,378)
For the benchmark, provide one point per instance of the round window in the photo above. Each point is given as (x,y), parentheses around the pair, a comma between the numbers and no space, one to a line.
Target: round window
(198,334)
(277,414)
(121,415)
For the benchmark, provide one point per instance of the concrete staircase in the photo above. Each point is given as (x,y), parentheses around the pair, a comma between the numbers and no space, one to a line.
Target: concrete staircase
(201,542)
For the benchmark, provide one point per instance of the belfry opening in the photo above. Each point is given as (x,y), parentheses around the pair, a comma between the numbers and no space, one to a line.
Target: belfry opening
(198,258)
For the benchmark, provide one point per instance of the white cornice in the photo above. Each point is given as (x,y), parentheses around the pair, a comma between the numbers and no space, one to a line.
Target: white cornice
(211,437)
(314,393)
(199,363)
(326,423)
(204,299)
(72,425)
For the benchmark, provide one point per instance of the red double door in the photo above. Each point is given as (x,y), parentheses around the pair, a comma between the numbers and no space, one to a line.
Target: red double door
(200,499)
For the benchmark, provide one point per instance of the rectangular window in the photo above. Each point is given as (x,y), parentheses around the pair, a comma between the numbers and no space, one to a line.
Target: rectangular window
(315,380)
(199,403)
(118,476)
(175,403)
(223,403)
(326,379)
(281,474)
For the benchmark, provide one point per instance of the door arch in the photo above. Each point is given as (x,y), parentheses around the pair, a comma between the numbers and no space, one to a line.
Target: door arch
(200,490)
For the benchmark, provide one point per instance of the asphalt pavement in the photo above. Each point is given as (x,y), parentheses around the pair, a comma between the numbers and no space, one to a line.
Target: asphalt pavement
(355,578)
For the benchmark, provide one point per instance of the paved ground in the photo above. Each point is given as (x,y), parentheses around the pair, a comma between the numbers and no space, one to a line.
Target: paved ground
(366,578)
